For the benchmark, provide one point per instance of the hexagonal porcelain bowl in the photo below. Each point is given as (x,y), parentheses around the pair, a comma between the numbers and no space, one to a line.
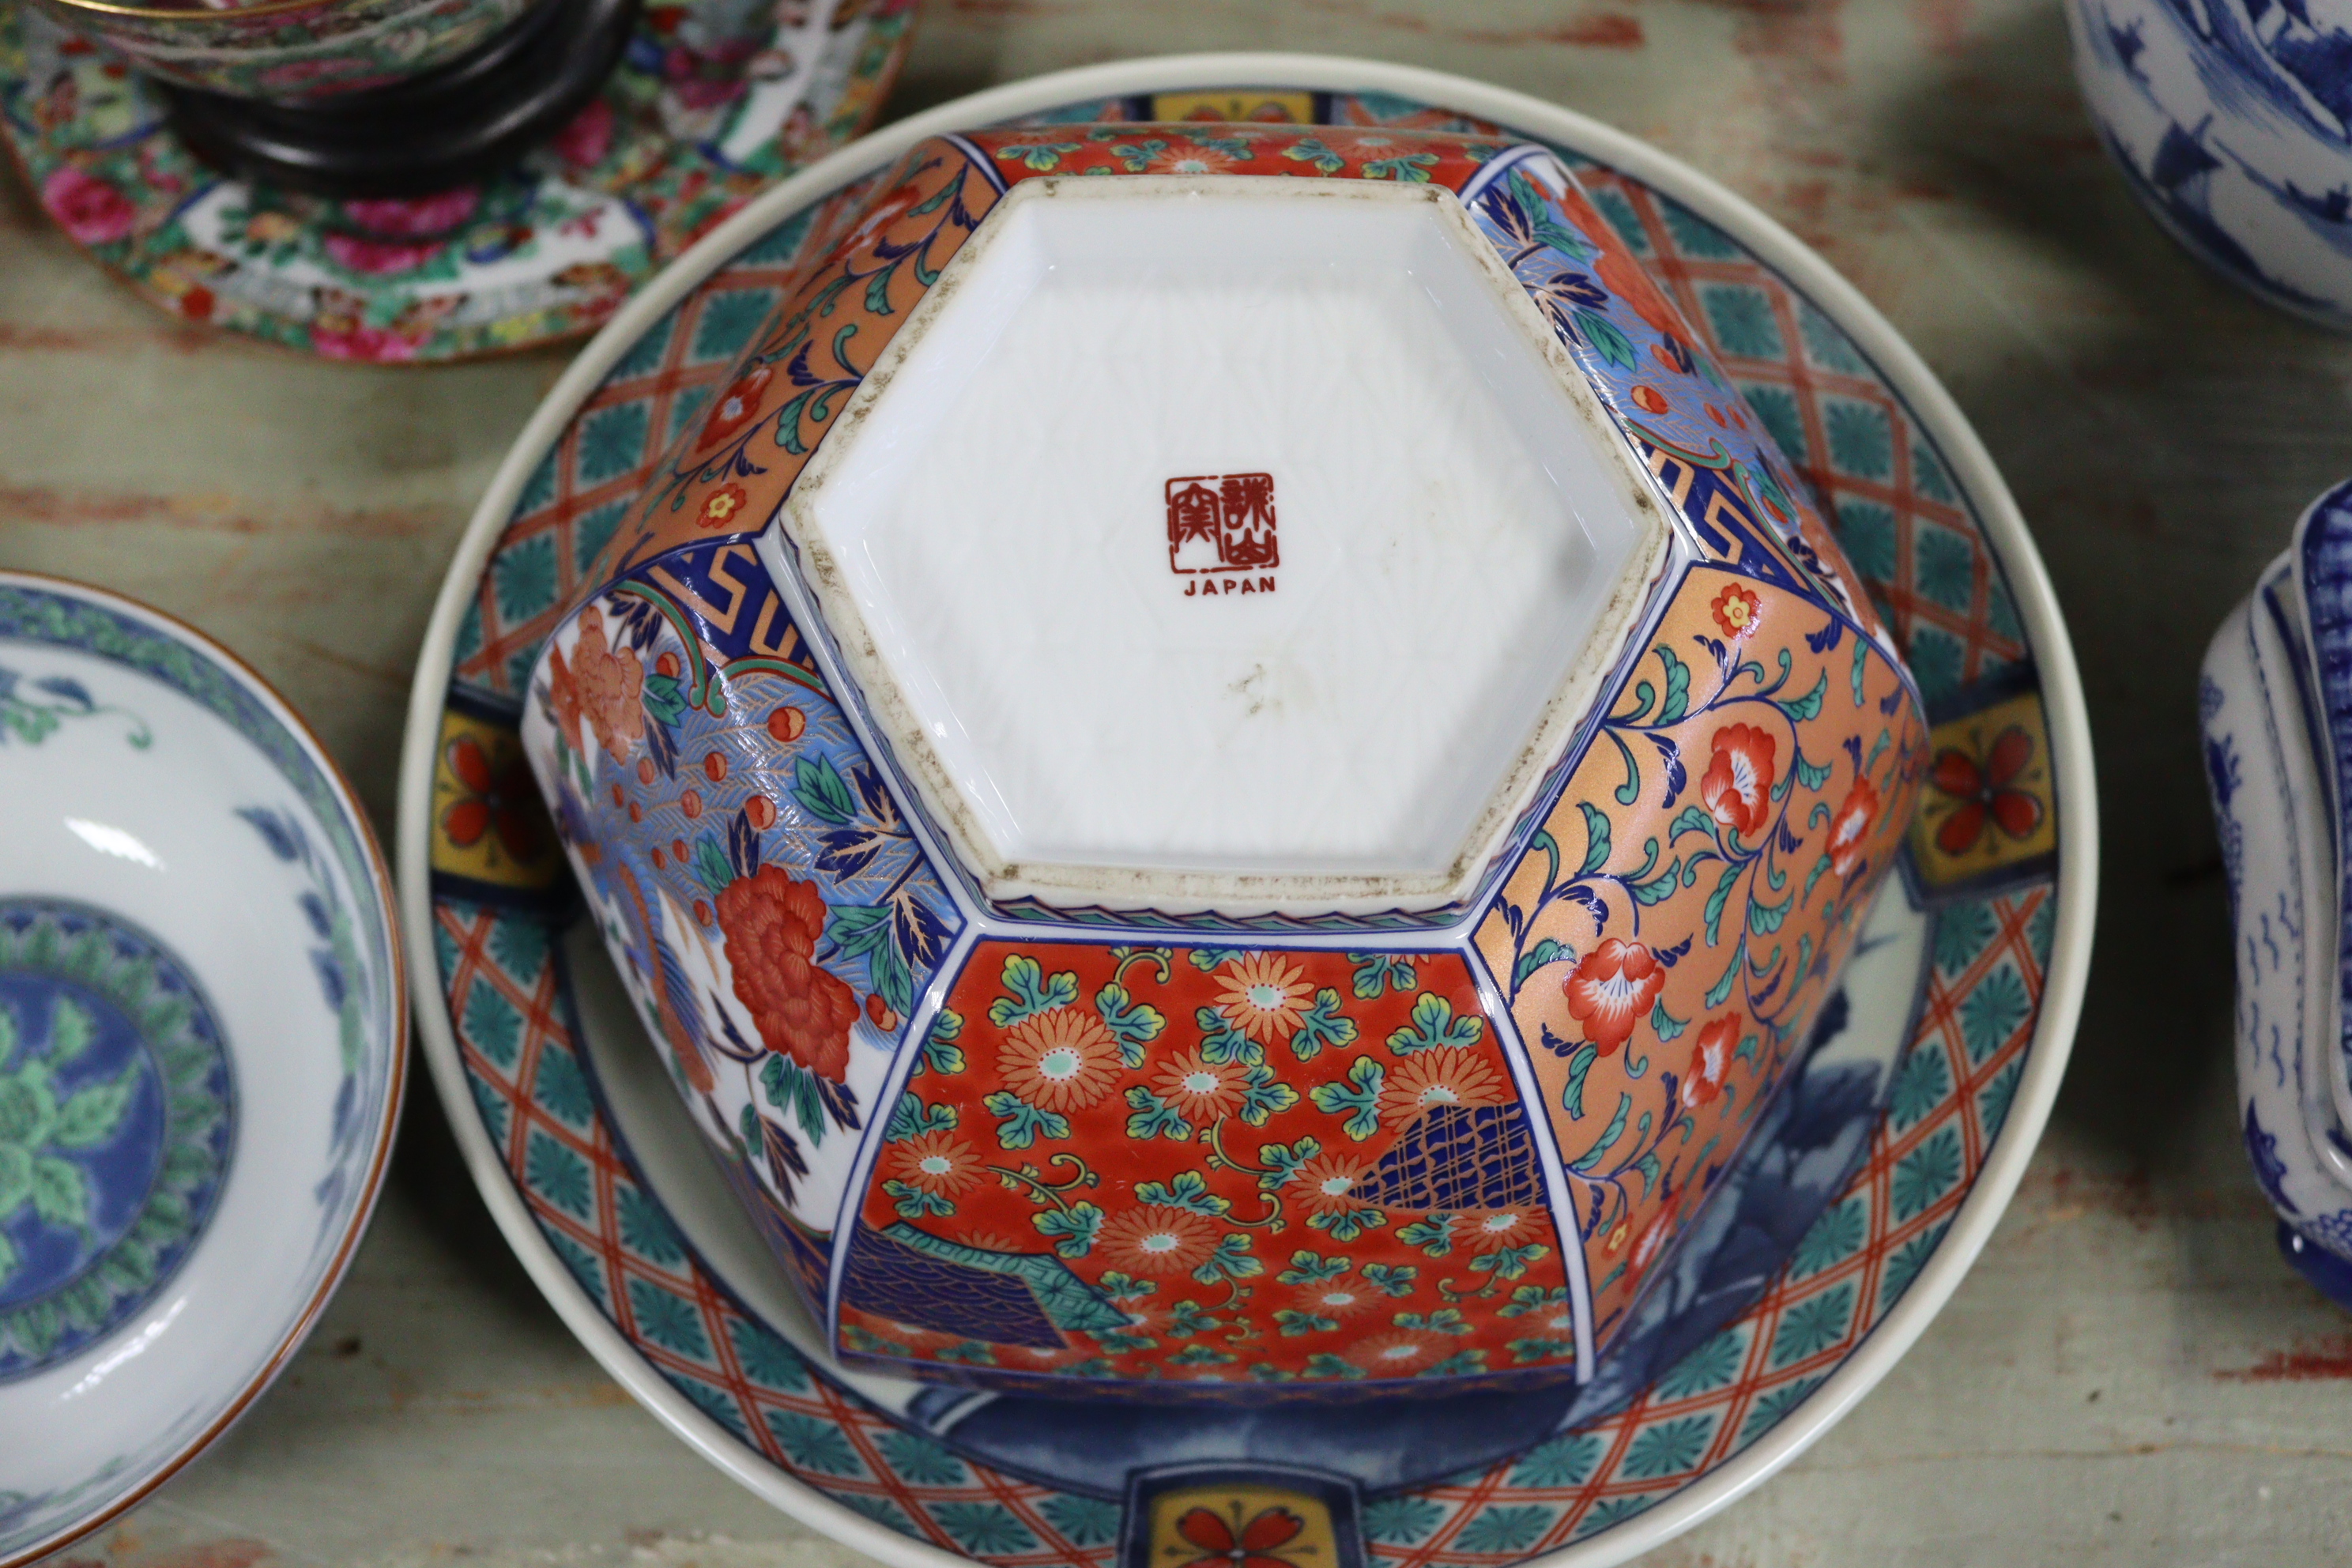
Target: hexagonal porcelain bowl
(1227,767)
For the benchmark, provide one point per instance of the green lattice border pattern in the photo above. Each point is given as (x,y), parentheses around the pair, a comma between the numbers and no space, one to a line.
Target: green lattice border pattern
(581,488)
(1887,489)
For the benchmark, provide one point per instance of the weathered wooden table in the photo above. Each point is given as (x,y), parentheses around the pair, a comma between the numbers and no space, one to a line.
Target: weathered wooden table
(2130,1375)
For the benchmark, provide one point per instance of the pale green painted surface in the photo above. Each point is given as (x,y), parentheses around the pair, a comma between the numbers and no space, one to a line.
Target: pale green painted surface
(2077,1404)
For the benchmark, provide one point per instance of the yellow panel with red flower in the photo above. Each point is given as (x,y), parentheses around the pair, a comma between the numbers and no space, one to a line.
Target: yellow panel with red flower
(1264,1520)
(488,825)
(1987,811)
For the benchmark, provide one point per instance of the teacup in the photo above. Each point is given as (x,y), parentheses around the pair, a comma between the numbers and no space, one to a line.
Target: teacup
(2276,703)
(290,51)
(1226,766)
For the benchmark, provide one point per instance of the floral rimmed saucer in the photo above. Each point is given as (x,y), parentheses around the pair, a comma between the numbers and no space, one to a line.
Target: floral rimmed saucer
(1850,1219)
(714,102)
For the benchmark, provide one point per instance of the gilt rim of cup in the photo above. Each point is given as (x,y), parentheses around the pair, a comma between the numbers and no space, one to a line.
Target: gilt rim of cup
(197,12)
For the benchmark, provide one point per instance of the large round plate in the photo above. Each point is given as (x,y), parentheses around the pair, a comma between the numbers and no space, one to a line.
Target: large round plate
(1857,1208)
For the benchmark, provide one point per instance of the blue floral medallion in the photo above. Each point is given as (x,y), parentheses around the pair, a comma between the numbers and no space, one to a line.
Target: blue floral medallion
(118,1117)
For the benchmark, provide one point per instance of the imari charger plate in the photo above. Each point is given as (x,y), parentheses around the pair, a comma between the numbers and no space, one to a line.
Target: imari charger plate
(1852,1213)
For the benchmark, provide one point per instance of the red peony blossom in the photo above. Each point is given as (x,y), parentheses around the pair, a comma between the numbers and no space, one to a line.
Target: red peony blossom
(1735,610)
(1710,1061)
(362,344)
(86,207)
(737,407)
(1583,215)
(1655,1236)
(563,697)
(771,923)
(379,257)
(611,683)
(1233,1543)
(887,210)
(1849,828)
(1623,276)
(1738,784)
(1612,987)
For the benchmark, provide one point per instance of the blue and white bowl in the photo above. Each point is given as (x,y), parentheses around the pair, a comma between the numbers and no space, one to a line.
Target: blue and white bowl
(2276,702)
(2233,119)
(203,1042)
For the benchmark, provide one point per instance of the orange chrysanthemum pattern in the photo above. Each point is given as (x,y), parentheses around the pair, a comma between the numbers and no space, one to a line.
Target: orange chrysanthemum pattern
(1331,1184)
(1061,1060)
(938,1162)
(1423,1082)
(1159,1242)
(1264,997)
(1203,1090)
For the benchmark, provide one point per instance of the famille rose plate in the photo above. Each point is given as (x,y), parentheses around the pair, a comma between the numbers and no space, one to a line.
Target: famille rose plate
(1852,1213)
(713,102)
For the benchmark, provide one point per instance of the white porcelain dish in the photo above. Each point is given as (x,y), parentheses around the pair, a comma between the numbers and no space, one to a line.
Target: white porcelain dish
(202,1047)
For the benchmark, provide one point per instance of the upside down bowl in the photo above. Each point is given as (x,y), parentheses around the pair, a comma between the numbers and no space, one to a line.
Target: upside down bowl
(1225,765)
